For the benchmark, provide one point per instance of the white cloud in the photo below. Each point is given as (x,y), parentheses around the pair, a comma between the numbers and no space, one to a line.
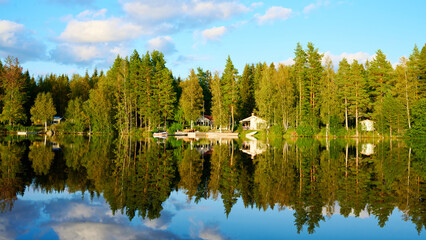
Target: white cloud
(361,57)
(95,31)
(213,34)
(309,8)
(162,222)
(313,6)
(85,54)
(163,44)
(274,13)
(287,62)
(186,60)
(9,31)
(165,16)
(92,14)
(16,41)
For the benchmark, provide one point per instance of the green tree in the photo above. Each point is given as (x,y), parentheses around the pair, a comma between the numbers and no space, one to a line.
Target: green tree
(205,79)
(247,97)
(284,96)
(422,73)
(166,95)
(230,90)
(380,74)
(191,100)
(405,87)
(14,96)
(343,82)
(219,111)
(263,94)
(43,109)
(313,73)
(76,116)
(300,68)
(329,101)
(418,128)
(99,108)
(358,98)
(41,157)
(393,114)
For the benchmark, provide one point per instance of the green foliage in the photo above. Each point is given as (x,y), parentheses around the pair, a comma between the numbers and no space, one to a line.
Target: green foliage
(77,119)
(43,109)
(191,100)
(175,127)
(13,99)
(305,130)
(418,129)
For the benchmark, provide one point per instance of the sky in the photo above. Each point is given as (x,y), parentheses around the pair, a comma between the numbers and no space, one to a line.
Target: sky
(72,36)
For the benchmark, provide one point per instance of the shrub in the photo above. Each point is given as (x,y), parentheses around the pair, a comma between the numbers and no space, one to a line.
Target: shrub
(174,127)
(305,130)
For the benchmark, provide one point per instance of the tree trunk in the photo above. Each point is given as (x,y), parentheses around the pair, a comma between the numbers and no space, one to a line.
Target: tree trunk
(346,114)
(45,126)
(232,117)
(356,118)
(406,100)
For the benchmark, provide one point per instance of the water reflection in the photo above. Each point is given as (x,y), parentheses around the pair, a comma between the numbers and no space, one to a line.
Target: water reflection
(315,179)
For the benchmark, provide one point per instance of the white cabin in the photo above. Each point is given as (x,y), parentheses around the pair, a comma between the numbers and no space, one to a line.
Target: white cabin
(367,125)
(253,123)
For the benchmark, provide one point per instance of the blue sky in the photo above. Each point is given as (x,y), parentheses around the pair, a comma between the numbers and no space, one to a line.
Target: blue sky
(70,36)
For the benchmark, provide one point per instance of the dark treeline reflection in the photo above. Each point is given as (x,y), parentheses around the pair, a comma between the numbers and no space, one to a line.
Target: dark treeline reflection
(314,178)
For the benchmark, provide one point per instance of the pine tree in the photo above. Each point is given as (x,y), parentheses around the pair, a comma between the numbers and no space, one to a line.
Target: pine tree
(135,82)
(264,99)
(205,79)
(300,63)
(145,101)
(230,89)
(313,73)
(380,74)
(247,100)
(405,87)
(422,73)
(343,76)
(191,100)
(284,96)
(219,111)
(358,98)
(167,95)
(329,101)
(413,65)
(99,108)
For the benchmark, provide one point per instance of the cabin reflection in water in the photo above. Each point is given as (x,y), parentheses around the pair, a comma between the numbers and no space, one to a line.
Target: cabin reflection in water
(253,148)
(367,149)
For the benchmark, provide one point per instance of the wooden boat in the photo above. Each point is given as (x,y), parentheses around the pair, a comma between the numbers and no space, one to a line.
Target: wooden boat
(160,134)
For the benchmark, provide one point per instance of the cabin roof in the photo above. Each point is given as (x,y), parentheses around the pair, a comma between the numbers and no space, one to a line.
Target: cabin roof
(252,117)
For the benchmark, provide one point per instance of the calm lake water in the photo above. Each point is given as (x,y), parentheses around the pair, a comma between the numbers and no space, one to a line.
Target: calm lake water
(103,188)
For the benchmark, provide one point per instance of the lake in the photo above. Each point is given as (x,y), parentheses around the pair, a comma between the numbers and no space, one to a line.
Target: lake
(74,187)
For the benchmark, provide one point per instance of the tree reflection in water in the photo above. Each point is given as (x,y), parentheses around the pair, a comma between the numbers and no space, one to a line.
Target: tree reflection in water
(314,178)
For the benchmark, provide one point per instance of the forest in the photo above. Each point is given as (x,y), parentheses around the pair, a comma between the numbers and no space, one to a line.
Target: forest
(139,94)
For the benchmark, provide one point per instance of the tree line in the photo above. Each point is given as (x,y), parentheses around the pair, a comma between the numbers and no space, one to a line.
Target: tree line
(139,94)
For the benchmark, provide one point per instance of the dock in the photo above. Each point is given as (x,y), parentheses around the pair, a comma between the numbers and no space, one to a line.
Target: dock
(196,135)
